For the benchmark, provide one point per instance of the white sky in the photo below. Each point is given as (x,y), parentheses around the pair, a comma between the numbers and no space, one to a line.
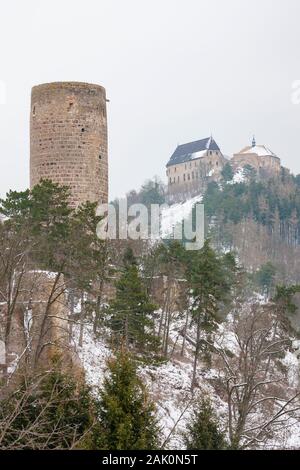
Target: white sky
(174,70)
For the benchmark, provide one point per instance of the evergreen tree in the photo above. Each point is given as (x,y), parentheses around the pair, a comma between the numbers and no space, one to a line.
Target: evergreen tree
(265,277)
(50,215)
(43,216)
(285,306)
(250,172)
(203,432)
(127,417)
(210,283)
(131,310)
(152,192)
(227,172)
(87,265)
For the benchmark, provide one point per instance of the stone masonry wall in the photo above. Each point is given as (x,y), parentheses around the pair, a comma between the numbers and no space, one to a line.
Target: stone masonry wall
(68,139)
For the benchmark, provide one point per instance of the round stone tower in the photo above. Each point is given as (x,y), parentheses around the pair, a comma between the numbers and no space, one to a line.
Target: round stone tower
(68,139)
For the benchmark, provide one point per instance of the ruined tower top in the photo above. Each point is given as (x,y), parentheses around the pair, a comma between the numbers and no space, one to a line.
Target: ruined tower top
(68,138)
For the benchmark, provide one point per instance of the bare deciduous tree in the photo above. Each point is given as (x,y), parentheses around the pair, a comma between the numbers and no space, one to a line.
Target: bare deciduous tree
(252,379)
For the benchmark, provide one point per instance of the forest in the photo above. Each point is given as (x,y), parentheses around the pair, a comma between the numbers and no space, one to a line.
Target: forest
(155,309)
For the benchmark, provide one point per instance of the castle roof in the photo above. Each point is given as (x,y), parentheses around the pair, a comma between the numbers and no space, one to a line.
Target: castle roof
(259,150)
(192,150)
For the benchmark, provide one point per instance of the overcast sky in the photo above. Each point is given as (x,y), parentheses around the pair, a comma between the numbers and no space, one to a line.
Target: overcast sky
(174,71)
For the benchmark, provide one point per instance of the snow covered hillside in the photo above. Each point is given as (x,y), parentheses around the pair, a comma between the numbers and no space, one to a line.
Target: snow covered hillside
(175,213)
(169,382)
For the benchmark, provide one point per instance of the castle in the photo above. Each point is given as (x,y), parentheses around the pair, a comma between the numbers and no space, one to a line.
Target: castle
(259,157)
(193,165)
(68,144)
(68,139)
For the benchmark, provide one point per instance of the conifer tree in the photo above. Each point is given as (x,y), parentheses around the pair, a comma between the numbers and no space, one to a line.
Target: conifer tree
(227,172)
(131,309)
(126,415)
(203,432)
(210,284)
(42,214)
(285,306)
(265,277)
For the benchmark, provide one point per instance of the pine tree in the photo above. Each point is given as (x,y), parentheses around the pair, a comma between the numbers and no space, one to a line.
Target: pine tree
(43,216)
(87,268)
(152,192)
(210,283)
(131,309)
(127,417)
(227,172)
(265,277)
(203,431)
(285,306)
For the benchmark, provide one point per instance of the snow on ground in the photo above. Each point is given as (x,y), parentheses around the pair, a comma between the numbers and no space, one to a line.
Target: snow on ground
(168,383)
(169,387)
(238,177)
(292,364)
(175,213)
(93,356)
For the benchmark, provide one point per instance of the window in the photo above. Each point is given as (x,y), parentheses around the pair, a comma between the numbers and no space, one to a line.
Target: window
(183,176)
(170,181)
(192,175)
(189,176)
(178,179)
(175,168)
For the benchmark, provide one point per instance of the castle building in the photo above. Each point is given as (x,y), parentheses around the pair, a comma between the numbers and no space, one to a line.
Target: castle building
(193,165)
(259,157)
(68,139)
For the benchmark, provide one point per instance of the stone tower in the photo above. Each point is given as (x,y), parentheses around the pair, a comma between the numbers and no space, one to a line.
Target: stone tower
(68,139)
